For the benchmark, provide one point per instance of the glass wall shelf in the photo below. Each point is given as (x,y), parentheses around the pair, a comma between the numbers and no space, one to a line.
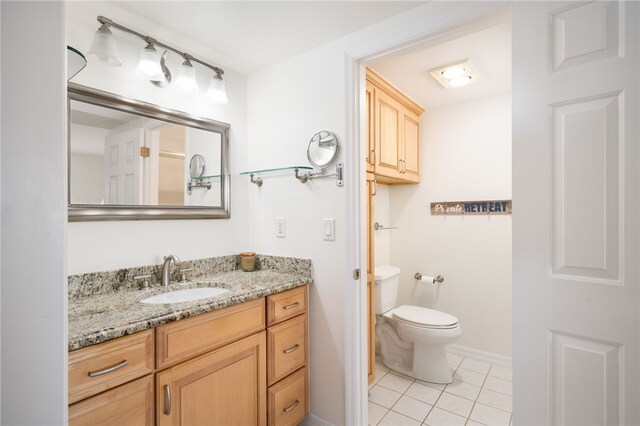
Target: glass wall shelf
(258,180)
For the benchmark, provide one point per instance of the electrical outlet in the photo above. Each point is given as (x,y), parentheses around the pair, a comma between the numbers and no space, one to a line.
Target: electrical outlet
(281,227)
(329,228)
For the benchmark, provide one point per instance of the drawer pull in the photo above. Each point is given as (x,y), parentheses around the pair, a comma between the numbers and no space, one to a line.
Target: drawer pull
(291,306)
(109,369)
(291,349)
(292,406)
(167,399)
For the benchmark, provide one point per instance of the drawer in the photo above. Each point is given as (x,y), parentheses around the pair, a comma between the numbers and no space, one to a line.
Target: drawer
(101,367)
(288,400)
(285,305)
(188,338)
(286,348)
(129,404)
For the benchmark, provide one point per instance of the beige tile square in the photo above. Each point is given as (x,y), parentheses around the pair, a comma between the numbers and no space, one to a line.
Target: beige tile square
(383,396)
(423,393)
(498,385)
(438,417)
(438,386)
(412,408)
(379,375)
(475,365)
(474,423)
(490,416)
(396,419)
(468,376)
(454,360)
(495,400)
(454,404)
(376,413)
(463,389)
(394,382)
(501,372)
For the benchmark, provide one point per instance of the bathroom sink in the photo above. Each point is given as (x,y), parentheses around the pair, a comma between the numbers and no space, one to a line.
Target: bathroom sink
(187,295)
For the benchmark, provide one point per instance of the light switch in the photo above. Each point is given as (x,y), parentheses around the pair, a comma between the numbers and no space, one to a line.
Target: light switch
(329,229)
(281,227)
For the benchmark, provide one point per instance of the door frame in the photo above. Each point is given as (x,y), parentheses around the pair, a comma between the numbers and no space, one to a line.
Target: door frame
(439,27)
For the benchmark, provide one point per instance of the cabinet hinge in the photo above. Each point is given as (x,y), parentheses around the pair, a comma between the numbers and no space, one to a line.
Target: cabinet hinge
(144,152)
(356,274)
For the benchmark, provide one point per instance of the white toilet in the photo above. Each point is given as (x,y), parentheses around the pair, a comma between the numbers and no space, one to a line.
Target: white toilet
(412,338)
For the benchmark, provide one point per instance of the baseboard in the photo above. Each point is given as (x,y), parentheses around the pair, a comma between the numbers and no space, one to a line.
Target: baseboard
(312,420)
(479,355)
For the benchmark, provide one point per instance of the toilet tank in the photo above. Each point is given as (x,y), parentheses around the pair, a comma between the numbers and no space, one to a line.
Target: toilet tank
(386,288)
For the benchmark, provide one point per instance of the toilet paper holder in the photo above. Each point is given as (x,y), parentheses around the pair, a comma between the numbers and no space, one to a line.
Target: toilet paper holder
(438,279)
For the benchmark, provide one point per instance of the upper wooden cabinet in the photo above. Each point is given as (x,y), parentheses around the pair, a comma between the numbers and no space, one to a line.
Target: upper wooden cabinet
(393,132)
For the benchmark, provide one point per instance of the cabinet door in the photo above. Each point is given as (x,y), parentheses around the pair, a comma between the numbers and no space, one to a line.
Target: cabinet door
(129,404)
(371,146)
(223,387)
(388,112)
(411,146)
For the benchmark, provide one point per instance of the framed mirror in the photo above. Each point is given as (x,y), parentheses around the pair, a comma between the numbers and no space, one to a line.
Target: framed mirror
(133,160)
(323,149)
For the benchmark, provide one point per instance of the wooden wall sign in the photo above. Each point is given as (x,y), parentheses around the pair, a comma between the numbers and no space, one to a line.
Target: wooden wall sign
(471,207)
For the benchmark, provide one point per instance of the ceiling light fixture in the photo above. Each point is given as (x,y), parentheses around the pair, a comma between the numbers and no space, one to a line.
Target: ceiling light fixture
(454,75)
(150,65)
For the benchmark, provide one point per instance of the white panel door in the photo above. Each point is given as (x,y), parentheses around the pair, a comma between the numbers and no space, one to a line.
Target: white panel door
(123,167)
(575,213)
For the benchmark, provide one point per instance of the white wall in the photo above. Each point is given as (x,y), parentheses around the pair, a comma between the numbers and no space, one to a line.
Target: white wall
(466,155)
(284,112)
(34,290)
(94,246)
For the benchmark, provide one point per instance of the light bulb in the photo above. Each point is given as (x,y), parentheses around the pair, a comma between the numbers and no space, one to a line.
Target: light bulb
(149,64)
(187,77)
(104,47)
(453,72)
(460,81)
(217,92)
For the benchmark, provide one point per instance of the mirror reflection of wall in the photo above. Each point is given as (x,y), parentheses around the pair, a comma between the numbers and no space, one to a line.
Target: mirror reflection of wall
(171,165)
(120,158)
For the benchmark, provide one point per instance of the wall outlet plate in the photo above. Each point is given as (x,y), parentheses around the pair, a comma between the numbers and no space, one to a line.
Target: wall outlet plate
(281,227)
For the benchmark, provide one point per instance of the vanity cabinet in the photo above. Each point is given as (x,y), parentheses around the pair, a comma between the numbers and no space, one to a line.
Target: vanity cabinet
(393,130)
(245,364)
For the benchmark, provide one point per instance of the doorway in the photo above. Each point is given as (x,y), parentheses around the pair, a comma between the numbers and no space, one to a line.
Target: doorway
(459,150)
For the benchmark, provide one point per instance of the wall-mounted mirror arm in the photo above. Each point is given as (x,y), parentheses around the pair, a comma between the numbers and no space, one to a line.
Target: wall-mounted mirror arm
(197,183)
(339,175)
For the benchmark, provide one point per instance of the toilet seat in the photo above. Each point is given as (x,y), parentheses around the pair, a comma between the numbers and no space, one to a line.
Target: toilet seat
(424,317)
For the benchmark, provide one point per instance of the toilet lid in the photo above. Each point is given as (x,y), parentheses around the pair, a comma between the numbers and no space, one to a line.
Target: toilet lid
(424,317)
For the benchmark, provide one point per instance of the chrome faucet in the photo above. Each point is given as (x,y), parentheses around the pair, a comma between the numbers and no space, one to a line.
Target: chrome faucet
(166,268)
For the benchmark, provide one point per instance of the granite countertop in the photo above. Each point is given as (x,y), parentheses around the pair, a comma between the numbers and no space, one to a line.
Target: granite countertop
(100,317)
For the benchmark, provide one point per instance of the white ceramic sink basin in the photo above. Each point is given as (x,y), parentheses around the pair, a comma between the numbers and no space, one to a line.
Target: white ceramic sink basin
(187,295)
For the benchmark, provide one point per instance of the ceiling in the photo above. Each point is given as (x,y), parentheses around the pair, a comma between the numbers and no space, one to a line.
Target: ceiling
(244,35)
(488,49)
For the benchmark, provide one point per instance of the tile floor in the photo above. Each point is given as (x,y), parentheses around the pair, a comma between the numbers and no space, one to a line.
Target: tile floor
(479,395)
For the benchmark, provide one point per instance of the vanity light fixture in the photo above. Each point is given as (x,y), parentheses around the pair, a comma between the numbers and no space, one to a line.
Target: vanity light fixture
(151,64)
(104,47)
(187,77)
(454,75)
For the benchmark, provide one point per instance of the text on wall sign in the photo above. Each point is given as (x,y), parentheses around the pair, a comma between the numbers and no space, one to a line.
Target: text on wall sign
(471,207)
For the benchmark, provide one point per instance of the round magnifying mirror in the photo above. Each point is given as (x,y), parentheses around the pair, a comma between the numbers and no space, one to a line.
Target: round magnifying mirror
(197,166)
(323,149)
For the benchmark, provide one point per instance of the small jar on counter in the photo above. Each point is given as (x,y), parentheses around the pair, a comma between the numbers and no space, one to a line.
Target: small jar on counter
(247,261)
